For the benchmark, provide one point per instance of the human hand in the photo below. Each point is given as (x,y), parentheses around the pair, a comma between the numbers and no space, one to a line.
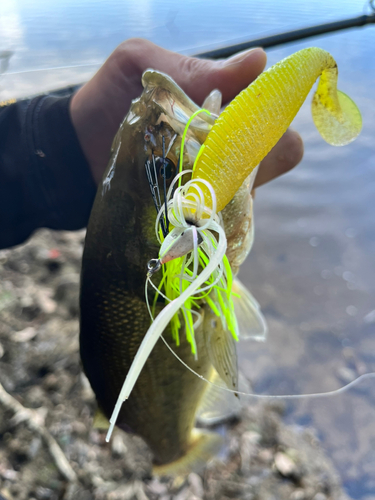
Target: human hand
(98,108)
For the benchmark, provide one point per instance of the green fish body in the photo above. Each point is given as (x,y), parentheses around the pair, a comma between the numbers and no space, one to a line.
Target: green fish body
(120,242)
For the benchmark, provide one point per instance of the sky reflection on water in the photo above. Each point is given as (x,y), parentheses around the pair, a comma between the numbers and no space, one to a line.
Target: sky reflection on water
(313,263)
(45,34)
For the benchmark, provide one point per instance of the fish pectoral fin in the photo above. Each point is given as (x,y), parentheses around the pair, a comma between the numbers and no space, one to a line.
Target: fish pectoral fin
(217,405)
(100,420)
(203,446)
(221,348)
(250,320)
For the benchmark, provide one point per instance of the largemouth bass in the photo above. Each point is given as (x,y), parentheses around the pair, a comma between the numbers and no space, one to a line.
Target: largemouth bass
(121,240)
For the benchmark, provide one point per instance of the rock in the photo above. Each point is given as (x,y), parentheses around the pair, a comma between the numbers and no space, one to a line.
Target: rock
(249,449)
(8,474)
(44,493)
(119,448)
(298,495)
(24,335)
(285,465)
(196,485)
(67,293)
(320,496)
(45,302)
(79,428)
(87,393)
(35,397)
(346,374)
(3,498)
(184,494)
(155,487)
(34,447)
(265,456)
(50,382)
(30,310)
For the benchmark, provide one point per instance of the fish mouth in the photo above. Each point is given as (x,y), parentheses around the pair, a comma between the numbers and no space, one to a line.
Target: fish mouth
(257,118)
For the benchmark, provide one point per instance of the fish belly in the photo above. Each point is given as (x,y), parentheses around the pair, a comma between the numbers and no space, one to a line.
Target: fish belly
(163,405)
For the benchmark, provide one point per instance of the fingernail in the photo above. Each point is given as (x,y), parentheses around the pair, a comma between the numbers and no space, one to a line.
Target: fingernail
(240,56)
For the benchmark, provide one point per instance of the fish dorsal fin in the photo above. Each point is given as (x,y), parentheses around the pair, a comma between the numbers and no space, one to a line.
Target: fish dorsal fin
(250,320)
(221,348)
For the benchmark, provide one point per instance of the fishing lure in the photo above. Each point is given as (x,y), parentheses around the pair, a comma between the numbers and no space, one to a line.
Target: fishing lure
(194,227)
(239,139)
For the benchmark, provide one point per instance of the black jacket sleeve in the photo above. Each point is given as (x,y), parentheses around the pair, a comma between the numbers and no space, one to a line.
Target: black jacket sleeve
(45,179)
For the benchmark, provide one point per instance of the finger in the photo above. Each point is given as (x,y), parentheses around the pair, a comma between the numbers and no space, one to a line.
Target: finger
(287,153)
(197,77)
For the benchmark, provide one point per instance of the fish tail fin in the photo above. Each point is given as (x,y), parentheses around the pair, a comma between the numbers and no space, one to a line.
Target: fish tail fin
(203,446)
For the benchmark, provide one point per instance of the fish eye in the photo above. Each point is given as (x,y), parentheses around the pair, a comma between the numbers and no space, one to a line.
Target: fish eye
(169,166)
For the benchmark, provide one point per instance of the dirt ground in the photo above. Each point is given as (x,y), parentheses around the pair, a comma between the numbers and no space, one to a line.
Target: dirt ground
(48,447)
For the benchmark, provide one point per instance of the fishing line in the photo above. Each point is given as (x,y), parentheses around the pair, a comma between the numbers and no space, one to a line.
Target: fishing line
(270,396)
(38,70)
(165,191)
(346,387)
(183,138)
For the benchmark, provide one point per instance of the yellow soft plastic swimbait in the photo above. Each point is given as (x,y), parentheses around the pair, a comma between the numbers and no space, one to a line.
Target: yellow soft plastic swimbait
(257,118)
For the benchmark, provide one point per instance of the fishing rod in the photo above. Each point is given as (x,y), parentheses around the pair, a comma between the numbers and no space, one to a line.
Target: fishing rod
(291,36)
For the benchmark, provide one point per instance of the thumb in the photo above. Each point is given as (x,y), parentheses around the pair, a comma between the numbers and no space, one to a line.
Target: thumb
(197,77)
